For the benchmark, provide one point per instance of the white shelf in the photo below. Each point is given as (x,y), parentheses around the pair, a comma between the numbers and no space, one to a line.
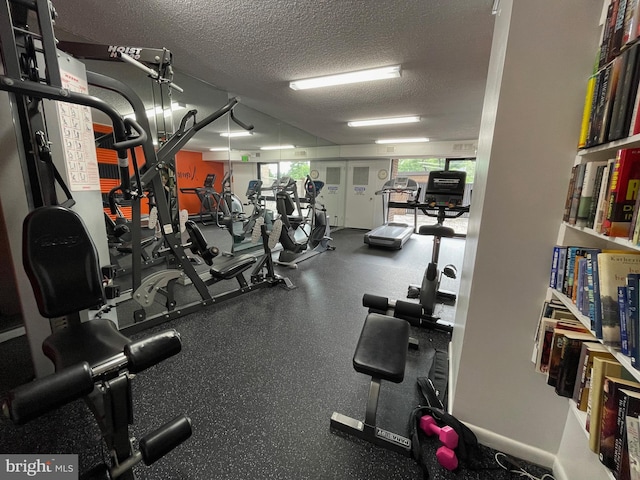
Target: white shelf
(624,360)
(606,150)
(621,241)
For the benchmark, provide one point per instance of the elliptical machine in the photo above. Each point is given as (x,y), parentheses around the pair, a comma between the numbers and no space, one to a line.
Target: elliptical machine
(301,237)
(444,194)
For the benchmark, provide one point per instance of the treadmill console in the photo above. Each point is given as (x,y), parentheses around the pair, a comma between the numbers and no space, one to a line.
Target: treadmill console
(400,185)
(445,188)
(254,188)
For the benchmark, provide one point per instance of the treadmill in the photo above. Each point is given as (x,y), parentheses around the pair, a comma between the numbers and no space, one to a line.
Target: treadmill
(392,234)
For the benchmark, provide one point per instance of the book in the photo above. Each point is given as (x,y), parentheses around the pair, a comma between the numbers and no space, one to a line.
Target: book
(602,367)
(614,88)
(630,465)
(600,110)
(581,294)
(555,356)
(570,362)
(622,315)
(569,270)
(613,269)
(587,192)
(600,172)
(628,411)
(623,192)
(607,33)
(593,290)
(577,193)
(586,113)
(569,197)
(618,31)
(589,352)
(603,198)
(544,339)
(562,262)
(633,288)
(609,416)
(630,30)
(625,94)
(553,276)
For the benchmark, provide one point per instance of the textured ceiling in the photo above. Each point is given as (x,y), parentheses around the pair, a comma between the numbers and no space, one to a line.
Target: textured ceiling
(253,48)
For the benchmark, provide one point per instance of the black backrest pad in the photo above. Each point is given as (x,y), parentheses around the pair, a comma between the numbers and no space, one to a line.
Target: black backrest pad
(61,262)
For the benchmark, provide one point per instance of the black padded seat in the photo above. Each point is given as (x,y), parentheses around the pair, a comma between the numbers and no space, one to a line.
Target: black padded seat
(94,342)
(226,268)
(437,231)
(382,348)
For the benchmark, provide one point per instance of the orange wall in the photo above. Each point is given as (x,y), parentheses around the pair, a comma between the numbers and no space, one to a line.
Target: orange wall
(191,172)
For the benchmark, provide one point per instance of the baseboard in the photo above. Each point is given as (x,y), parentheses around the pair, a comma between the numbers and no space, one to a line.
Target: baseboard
(514,448)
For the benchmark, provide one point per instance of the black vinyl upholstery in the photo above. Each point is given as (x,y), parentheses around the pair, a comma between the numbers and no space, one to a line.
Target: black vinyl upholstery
(382,347)
(227,268)
(61,262)
(437,231)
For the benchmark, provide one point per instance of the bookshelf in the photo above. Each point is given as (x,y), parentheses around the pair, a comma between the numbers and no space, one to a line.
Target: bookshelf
(527,146)
(572,445)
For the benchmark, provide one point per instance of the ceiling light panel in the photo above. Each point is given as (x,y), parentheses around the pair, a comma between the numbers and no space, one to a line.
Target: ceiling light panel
(277,147)
(383,121)
(345,78)
(242,133)
(403,140)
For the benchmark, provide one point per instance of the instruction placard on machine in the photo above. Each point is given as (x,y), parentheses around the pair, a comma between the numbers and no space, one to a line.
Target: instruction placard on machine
(76,128)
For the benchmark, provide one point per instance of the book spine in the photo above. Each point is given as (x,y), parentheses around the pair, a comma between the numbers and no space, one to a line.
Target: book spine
(633,285)
(597,302)
(622,314)
(596,194)
(562,262)
(554,266)
(586,113)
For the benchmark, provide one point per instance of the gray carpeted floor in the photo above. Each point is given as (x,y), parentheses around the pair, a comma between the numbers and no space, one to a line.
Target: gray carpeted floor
(261,374)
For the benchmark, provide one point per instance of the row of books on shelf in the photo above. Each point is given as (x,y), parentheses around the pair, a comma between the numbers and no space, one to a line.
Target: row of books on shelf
(611,102)
(578,366)
(603,196)
(603,285)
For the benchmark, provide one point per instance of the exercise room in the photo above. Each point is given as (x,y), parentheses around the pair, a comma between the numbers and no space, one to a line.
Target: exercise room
(319,240)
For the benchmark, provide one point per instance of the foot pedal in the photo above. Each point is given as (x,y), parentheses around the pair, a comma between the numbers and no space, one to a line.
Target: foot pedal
(274,236)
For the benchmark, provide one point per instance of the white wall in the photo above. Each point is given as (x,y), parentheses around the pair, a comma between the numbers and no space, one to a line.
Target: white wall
(542,54)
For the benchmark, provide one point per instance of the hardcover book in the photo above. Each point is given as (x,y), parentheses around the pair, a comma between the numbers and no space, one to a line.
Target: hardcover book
(627,436)
(590,351)
(601,367)
(623,191)
(609,416)
(613,269)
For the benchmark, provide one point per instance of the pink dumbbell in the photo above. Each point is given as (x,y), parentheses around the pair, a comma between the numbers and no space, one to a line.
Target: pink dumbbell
(447,435)
(447,458)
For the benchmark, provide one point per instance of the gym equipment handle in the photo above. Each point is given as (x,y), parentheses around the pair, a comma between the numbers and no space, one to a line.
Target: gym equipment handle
(161,441)
(33,399)
(149,351)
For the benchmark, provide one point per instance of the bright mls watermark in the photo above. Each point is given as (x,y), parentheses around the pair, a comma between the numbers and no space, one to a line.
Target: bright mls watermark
(49,467)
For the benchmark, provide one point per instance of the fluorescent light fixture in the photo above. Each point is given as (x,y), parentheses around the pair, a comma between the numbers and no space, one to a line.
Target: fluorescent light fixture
(158,110)
(403,140)
(241,133)
(344,78)
(277,147)
(219,149)
(383,121)
(496,7)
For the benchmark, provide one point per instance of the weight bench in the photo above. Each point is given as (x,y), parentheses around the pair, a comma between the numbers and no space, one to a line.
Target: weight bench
(92,359)
(382,353)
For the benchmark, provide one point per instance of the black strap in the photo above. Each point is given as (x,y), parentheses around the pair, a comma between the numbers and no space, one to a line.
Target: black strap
(45,156)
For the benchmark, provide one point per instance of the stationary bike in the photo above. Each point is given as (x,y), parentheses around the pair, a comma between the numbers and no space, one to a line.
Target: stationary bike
(444,193)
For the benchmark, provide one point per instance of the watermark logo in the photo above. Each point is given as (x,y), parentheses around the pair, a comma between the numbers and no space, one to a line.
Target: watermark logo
(49,467)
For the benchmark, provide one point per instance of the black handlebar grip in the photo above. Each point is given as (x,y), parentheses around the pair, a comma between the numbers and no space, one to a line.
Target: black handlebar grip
(158,443)
(33,399)
(149,351)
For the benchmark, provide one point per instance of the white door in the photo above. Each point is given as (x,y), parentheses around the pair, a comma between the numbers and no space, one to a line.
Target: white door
(363,206)
(332,196)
